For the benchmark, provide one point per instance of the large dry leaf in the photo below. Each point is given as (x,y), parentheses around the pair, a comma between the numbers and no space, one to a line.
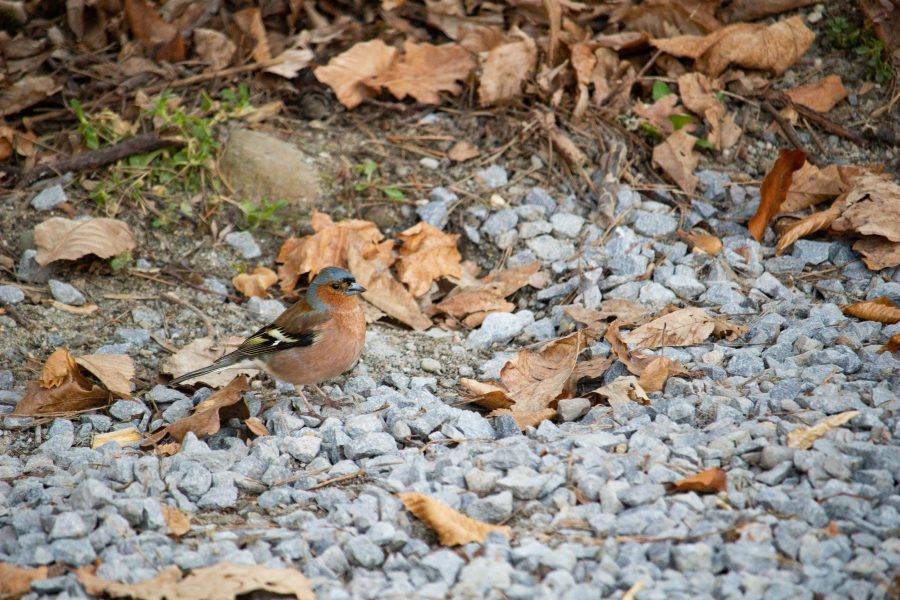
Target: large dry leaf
(665,18)
(817,221)
(811,185)
(202,352)
(208,416)
(177,522)
(623,390)
(425,254)
(655,374)
(453,527)
(123,437)
(222,581)
(250,24)
(636,361)
(821,95)
(872,207)
(626,312)
(385,292)
(424,70)
(327,247)
(214,48)
(774,190)
(880,309)
(505,69)
(16,581)
(62,389)
(710,481)
(772,48)
(698,240)
(347,72)
(878,253)
(676,157)
(462,151)
(256,283)
(683,327)
(160,38)
(115,371)
(58,238)
(802,438)
(26,92)
(473,302)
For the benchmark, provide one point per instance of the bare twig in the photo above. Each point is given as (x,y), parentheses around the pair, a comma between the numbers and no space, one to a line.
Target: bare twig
(354,475)
(210,328)
(790,132)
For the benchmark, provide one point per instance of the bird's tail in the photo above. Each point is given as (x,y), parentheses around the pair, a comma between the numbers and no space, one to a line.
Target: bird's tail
(221,363)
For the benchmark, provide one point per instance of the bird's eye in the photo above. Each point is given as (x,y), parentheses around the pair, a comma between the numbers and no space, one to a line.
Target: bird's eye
(335,286)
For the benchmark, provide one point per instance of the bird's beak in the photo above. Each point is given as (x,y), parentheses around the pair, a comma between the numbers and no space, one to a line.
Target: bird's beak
(355,289)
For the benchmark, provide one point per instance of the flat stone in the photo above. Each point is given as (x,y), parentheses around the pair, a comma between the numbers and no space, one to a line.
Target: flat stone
(493,177)
(30,271)
(499,328)
(567,224)
(654,224)
(572,409)
(491,509)
(49,198)
(370,444)
(550,249)
(243,242)
(811,252)
(65,293)
(500,222)
(304,448)
(10,294)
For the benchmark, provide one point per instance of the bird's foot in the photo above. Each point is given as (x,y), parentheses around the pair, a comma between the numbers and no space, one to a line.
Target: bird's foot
(326,400)
(310,412)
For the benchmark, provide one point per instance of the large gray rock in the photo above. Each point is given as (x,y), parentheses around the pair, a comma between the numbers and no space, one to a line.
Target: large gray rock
(259,166)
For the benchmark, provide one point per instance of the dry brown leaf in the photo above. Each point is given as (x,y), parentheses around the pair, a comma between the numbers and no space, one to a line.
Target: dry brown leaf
(385,292)
(676,157)
(772,48)
(58,238)
(451,17)
(424,70)
(881,309)
(626,312)
(658,113)
(425,254)
(698,240)
(655,374)
(710,481)
(623,389)
(115,371)
(821,95)
(256,426)
(878,253)
(751,10)
(698,92)
(256,283)
(250,24)
(206,420)
(505,69)
(462,151)
(811,185)
(892,345)
(161,39)
(202,352)
(26,92)
(774,190)
(291,62)
(665,18)
(123,437)
(16,581)
(486,295)
(684,327)
(807,226)
(636,362)
(802,438)
(489,394)
(62,388)
(327,247)
(872,207)
(214,48)
(726,330)
(347,72)
(453,527)
(177,522)
(221,581)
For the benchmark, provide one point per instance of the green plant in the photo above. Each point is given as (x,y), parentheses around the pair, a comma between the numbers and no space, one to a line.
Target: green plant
(872,51)
(659,90)
(87,129)
(262,213)
(841,32)
(369,181)
(846,35)
(120,261)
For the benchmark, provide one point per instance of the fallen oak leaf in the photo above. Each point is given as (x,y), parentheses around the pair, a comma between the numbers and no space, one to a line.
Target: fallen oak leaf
(26,92)
(774,190)
(472,303)
(159,37)
(871,207)
(488,394)
(250,25)
(877,252)
(256,283)
(710,481)
(676,157)
(683,327)
(58,238)
(452,527)
(655,374)
(802,438)
(817,221)
(811,185)
(880,309)
(256,427)
(462,151)
(385,292)
(505,68)
(624,389)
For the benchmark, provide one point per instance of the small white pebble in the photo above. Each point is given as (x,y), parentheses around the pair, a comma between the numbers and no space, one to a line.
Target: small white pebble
(430,365)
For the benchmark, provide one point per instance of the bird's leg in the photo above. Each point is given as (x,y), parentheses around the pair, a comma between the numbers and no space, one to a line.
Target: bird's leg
(326,399)
(309,408)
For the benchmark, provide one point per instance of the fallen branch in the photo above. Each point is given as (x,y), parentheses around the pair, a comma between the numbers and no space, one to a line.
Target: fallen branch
(94,159)
(826,124)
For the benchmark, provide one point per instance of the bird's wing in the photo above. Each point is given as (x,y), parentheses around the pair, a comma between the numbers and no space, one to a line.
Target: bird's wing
(297,326)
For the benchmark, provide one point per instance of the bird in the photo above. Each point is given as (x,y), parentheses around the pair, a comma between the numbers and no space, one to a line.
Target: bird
(316,339)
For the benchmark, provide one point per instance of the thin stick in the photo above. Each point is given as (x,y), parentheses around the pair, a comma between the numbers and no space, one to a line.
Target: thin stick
(321,484)
(790,132)
(210,328)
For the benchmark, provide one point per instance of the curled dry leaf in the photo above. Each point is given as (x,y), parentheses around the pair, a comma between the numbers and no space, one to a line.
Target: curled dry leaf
(385,292)
(222,405)
(83,311)
(676,157)
(505,69)
(802,438)
(472,303)
(881,309)
(26,92)
(425,254)
(697,240)
(115,371)
(290,62)
(489,394)
(637,362)
(424,70)
(821,95)
(202,352)
(177,522)
(872,207)
(15,581)
(252,29)
(62,389)
(256,283)
(710,481)
(64,239)
(878,253)
(462,151)
(811,185)
(892,345)
(328,246)
(347,72)
(213,48)
(626,312)
(161,39)
(655,374)
(752,45)
(774,190)
(453,527)
(221,581)
(624,389)
(122,437)
(817,221)
(256,426)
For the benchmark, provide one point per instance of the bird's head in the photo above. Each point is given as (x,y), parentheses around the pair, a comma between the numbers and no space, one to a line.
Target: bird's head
(333,288)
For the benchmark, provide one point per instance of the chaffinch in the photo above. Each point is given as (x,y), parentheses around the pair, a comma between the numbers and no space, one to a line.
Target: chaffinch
(319,337)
